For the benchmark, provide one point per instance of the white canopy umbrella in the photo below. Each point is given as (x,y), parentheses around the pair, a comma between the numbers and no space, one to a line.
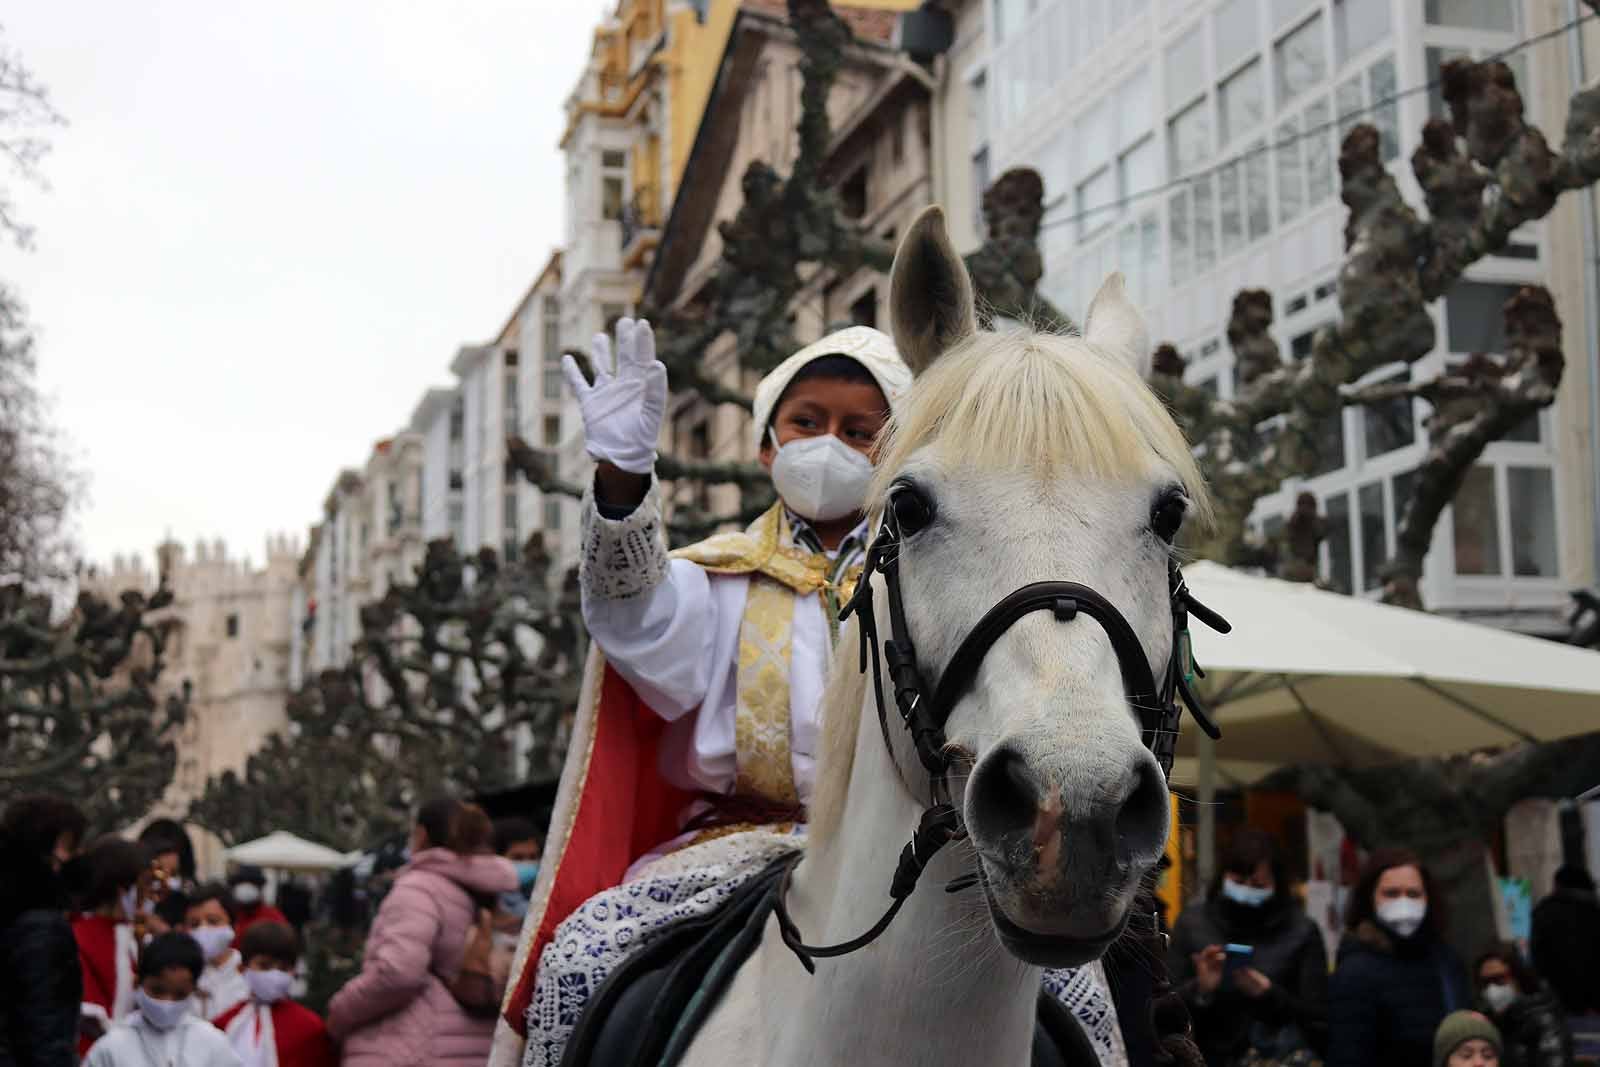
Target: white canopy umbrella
(1309,676)
(283,851)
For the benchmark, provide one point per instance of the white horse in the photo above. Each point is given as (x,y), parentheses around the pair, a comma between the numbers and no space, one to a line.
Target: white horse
(1032,457)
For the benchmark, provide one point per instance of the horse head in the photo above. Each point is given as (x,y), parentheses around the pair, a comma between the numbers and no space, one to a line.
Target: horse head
(1020,457)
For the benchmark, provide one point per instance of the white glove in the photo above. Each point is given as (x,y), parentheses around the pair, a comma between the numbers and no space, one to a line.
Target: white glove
(622,410)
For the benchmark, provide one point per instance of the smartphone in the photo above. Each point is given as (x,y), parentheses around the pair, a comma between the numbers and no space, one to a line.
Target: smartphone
(1238,958)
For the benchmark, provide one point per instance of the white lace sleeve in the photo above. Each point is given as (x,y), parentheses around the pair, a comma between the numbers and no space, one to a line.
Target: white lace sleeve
(623,558)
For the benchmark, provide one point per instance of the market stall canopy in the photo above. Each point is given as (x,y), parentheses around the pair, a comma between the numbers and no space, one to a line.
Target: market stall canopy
(283,851)
(1309,676)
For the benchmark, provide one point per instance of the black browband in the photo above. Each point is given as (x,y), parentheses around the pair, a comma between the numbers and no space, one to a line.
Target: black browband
(1159,712)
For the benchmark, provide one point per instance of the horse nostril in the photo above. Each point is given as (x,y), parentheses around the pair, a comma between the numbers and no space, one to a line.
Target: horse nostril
(1142,820)
(1005,794)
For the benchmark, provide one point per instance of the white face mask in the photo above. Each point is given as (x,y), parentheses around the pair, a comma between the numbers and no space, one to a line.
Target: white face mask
(247,893)
(1500,996)
(214,940)
(1248,895)
(1403,915)
(821,478)
(162,1014)
(269,987)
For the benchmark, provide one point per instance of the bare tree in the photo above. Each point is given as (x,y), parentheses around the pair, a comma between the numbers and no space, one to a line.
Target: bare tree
(1483,173)
(449,671)
(79,711)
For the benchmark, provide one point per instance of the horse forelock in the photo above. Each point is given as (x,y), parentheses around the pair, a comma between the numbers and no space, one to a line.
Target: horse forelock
(1048,403)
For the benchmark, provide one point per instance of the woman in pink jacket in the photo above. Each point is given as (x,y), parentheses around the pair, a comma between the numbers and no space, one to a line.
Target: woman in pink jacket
(398,1011)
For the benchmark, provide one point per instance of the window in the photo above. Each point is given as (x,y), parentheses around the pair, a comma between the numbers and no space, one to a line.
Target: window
(510,358)
(1533,522)
(552,513)
(1374,534)
(1178,235)
(1258,194)
(551,326)
(1291,172)
(1008,16)
(1285,11)
(614,159)
(458,418)
(233,626)
(1188,139)
(1337,510)
(508,513)
(1095,197)
(1477,532)
(1231,209)
(1385,114)
(1186,69)
(1302,61)
(1497,15)
(1320,153)
(1474,315)
(1389,425)
(1238,34)
(1241,102)
(1359,24)
(1139,168)
(611,197)
(853,194)
(864,312)
(1400,487)
(552,431)
(1205,232)
(455,479)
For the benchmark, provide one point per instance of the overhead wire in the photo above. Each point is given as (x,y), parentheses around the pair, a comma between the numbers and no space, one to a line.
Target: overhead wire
(1311,131)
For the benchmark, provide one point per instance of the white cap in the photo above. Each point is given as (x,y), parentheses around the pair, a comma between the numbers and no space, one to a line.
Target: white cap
(873,350)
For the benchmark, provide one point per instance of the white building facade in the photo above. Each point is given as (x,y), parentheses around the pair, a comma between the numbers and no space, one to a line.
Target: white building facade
(1114,102)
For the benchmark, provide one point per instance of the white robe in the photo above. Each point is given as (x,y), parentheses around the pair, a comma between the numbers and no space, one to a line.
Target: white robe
(671,629)
(135,1043)
(221,986)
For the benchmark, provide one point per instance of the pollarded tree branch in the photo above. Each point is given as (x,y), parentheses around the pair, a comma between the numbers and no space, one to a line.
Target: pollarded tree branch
(1395,263)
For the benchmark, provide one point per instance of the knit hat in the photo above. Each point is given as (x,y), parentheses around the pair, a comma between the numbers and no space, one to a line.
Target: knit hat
(868,347)
(1458,1028)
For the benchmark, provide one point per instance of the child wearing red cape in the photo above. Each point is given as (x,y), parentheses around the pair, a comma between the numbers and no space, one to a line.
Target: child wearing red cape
(269,1029)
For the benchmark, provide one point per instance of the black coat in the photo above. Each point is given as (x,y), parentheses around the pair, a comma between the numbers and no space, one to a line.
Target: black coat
(1388,997)
(41,990)
(1534,1031)
(1566,948)
(1288,950)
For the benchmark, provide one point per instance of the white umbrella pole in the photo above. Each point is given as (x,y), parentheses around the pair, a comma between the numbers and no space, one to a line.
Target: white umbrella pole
(1206,845)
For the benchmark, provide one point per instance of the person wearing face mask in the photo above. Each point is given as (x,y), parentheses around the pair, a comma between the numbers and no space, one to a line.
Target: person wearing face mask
(1275,1006)
(707,665)
(248,886)
(163,1031)
(41,986)
(1526,1012)
(108,944)
(210,921)
(269,1029)
(1396,978)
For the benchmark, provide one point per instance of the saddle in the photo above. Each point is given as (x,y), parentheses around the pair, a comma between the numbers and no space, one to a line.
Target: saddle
(647,1012)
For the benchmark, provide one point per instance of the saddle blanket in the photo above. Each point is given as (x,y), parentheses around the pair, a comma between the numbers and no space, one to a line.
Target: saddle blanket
(696,881)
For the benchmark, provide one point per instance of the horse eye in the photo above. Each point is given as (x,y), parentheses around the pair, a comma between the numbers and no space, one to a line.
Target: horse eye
(912,510)
(1167,516)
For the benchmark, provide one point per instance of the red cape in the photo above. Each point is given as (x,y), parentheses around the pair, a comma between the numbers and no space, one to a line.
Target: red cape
(96,936)
(298,1034)
(612,807)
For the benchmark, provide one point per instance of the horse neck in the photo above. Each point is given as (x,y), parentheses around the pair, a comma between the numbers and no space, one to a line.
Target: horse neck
(937,981)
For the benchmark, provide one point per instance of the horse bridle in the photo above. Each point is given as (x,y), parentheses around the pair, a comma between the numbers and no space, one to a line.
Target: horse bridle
(925,717)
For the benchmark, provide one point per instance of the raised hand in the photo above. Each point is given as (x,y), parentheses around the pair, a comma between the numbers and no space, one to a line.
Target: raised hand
(622,410)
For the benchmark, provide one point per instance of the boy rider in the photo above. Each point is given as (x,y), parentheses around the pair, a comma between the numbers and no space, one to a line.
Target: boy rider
(705,708)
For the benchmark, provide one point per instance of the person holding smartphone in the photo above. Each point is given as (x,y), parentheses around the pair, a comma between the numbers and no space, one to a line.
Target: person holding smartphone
(1250,964)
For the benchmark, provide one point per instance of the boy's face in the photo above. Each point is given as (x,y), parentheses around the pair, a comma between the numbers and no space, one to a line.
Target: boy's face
(206,913)
(174,983)
(518,851)
(854,412)
(268,963)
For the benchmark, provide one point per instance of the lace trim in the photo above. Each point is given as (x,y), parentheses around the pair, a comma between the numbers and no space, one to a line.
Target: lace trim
(622,558)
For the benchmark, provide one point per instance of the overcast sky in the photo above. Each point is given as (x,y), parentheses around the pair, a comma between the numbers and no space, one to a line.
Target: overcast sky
(268,228)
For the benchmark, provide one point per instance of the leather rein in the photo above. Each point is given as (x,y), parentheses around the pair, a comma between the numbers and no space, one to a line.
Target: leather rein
(925,716)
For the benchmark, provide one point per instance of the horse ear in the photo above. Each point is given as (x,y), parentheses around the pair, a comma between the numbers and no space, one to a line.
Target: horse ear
(1113,322)
(930,293)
